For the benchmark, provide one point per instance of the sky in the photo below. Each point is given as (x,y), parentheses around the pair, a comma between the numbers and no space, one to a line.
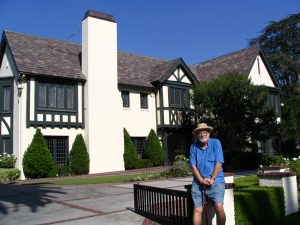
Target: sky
(196,30)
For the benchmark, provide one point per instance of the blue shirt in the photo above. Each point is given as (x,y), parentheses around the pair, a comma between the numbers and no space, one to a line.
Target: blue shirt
(206,159)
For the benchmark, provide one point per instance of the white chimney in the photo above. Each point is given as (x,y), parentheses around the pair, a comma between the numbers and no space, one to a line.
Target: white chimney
(104,131)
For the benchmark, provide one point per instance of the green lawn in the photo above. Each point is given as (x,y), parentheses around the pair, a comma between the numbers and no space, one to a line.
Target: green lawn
(100,180)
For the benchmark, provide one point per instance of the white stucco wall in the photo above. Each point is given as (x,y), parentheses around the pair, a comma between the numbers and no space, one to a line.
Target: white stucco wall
(260,75)
(104,132)
(23,135)
(138,122)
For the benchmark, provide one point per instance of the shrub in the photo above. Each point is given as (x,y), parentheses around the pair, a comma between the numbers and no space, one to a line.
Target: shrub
(258,205)
(153,149)
(295,166)
(143,163)
(37,160)
(274,160)
(79,157)
(130,155)
(9,174)
(7,161)
(59,171)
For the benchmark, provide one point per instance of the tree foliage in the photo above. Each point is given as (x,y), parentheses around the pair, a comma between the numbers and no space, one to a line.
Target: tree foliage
(79,157)
(153,149)
(237,110)
(37,160)
(130,155)
(280,42)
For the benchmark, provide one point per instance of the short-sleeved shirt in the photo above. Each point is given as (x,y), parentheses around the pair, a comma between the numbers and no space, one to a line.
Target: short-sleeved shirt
(206,159)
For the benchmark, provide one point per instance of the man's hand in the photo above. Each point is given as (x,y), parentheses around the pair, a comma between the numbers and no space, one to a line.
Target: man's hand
(207,181)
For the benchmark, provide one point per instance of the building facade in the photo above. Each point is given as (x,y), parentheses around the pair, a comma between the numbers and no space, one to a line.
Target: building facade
(92,89)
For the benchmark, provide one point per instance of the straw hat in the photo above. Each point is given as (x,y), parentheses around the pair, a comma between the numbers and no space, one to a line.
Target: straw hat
(202,126)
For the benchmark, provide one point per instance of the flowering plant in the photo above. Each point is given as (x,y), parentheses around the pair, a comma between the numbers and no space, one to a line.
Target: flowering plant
(7,160)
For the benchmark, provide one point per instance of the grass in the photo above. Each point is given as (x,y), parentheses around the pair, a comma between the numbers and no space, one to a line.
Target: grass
(100,180)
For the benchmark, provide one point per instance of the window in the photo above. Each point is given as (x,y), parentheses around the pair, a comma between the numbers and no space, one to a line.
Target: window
(125,99)
(178,97)
(273,102)
(144,100)
(6,98)
(5,146)
(56,96)
(139,143)
(59,149)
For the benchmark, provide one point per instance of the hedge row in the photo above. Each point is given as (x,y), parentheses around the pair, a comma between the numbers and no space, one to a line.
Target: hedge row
(9,174)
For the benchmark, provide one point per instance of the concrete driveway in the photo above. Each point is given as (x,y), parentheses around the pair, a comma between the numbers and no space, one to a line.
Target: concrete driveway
(82,204)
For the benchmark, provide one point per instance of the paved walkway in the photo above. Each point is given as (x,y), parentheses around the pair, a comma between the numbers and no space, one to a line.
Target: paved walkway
(66,205)
(80,204)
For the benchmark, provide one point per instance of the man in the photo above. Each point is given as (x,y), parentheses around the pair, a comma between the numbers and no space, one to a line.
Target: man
(206,159)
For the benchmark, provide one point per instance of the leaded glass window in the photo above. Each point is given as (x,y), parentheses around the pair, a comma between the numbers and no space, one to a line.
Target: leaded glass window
(70,97)
(56,96)
(60,97)
(139,143)
(178,97)
(5,146)
(144,100)
(58,147)
(6,98)
(125,99)
(42,95)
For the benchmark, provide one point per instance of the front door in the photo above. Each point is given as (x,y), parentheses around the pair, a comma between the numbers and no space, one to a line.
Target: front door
(6,115)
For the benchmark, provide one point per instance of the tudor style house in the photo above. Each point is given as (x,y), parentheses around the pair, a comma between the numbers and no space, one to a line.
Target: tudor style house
(92,89)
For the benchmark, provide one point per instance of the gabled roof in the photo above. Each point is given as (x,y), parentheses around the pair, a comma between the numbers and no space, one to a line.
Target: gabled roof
(241,61)
(44,57)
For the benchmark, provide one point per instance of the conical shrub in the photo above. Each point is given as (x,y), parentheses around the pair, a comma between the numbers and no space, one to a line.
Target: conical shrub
(153,149)
(130,155)
(79,157)
(37,159)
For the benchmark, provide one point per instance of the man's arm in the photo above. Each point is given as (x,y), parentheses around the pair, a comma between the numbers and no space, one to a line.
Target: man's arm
(217,169)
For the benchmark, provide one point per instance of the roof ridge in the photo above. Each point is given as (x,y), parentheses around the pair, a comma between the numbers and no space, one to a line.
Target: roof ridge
(45,38)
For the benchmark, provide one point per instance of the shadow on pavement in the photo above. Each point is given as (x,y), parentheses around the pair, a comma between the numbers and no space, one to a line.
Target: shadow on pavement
(15,196)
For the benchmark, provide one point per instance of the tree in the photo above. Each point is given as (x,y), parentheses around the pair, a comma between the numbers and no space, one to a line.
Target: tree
(280,42)
(237,110)
(130,155)
(79,157)
(153,149)
(37,160)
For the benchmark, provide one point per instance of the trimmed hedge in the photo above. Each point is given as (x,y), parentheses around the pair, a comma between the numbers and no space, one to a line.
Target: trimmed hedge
(153,149)
(257,205)
(37,160)
(79,157)
(9,174)
(295,166)
(7,161)
(130,155)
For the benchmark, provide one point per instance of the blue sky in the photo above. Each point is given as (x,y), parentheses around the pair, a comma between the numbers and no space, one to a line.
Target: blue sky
(196,30)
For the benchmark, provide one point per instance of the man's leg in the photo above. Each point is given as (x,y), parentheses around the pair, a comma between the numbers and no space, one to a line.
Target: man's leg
(220,213)
(197,218)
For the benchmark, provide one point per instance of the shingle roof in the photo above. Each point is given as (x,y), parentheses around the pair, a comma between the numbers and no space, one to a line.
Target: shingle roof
(137,70)
(241,61)
(45,57)
(41,56)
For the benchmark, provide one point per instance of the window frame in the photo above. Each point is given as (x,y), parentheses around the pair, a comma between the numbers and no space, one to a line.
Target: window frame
(125,94)
(181,94)
(139,150)
(145,96)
